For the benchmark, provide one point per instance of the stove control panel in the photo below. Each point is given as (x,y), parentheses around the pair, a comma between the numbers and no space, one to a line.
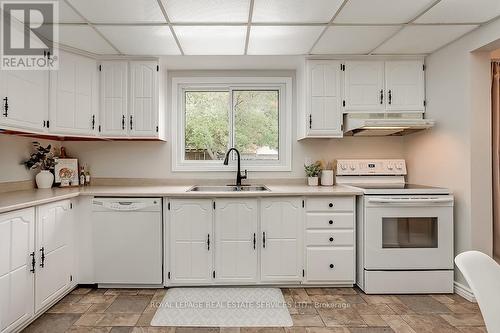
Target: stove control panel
(395,167)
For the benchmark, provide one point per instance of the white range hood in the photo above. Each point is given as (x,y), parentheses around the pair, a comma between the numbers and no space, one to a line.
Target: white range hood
(384,124)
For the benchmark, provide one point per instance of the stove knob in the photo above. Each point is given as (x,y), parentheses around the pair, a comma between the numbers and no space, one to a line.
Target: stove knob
(343,166)
(390,166)
(399,166)
(353,167)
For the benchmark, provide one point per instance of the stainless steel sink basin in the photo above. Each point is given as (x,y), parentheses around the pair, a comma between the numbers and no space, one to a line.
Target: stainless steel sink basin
(229,188)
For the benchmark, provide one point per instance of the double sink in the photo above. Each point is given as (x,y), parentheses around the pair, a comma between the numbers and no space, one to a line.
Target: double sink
(229,188)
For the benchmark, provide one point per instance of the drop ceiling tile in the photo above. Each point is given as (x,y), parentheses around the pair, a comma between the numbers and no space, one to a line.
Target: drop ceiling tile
(141,40)
(211,40)
(353,39)
(207,11)
(294,11)
(282,39)
(461,11)
(119,11)
(66,15)
(416,39)
(84,38)
(381,11)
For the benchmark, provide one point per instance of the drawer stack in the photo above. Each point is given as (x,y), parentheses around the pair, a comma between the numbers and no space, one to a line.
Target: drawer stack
(330,240)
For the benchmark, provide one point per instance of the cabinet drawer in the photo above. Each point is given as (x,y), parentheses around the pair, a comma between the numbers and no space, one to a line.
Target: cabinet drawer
(330,237)
(330,204)
(330,264)
(329,221)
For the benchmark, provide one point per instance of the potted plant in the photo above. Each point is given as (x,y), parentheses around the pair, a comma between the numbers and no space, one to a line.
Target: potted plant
(312,172)
(327,175)
(43,159)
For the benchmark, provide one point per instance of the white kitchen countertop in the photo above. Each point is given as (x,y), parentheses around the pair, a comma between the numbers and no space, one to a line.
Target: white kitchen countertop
(10,201)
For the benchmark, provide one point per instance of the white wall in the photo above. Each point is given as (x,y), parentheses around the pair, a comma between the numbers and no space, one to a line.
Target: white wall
(14,150)
(457,153)
(153,159)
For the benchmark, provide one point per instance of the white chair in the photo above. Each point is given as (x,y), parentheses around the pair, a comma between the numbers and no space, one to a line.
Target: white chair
(483,275)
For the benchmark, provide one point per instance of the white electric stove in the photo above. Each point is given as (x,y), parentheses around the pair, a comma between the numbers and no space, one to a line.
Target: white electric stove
(404,231)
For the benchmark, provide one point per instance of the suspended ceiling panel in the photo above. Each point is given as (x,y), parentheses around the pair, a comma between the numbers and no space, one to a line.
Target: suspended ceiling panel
(353,39)
(294,11)
(141,40)
(381,11)
(85,38)
(282,39)
(119,11)
(211,40)
(423,38)
(207,11)
(66,15)
(461,11)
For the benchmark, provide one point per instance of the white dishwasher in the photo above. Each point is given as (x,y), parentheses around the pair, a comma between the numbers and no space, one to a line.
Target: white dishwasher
(127,236)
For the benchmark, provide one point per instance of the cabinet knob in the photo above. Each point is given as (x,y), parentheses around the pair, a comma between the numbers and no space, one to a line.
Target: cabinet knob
(330,205)
(331,239)
(330,222)
(332,265)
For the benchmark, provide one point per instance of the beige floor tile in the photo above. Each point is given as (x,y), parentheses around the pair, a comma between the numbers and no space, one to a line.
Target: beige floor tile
(153,330)
(373,309)
(464,319)
(371,330)
(327,330)
(397,324)
(424,304)
(122,291)
(69,308)
(341,317)
(229,330)
(118,319)
(52,323)
(82,329)
(89,319)
(481,329)
(374,320)
(429,324)
(81,291)
(262,330)
(145,319)
(97,298)
(307,320)
(129,304)
(98,307)
(354,299)
(400,309)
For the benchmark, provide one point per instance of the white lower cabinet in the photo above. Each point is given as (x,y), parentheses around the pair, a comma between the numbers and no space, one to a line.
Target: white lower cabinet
(281,231)
(17,233)
(36,262)
(330,240)
(236,240)
(191,241)
(54,250)
(268,240)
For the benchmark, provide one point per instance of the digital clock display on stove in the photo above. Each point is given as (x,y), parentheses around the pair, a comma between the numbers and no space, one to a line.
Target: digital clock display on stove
(371,165)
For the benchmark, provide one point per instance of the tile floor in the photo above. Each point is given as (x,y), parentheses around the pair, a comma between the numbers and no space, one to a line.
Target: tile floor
(314,310)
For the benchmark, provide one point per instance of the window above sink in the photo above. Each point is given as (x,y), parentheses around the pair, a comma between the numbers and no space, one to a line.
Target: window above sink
(212,114)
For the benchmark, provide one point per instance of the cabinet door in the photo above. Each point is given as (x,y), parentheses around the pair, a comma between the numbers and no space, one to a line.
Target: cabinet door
(191,241)
(404,82)
(54,252)
(73,91)
(324,100)
(113,115)
(16,280)
(27,97)
(236,240)
(143,117)
(364,86)
(281,232)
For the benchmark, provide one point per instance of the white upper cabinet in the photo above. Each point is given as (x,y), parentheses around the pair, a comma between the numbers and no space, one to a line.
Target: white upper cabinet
(404,84)
(24,98)
(54,252)
(17,230)
(144,109)
(74,96)
(324,101)
(191,240)
(113,100)
(364,86)
(281,239)
(236,240)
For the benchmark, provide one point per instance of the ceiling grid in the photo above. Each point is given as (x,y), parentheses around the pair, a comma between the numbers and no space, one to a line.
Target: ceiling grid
(282,26)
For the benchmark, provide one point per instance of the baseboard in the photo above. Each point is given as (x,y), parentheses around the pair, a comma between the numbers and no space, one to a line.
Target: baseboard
(464,291)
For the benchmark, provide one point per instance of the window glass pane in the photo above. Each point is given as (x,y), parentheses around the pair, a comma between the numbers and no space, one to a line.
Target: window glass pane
(207,125)
(256,124)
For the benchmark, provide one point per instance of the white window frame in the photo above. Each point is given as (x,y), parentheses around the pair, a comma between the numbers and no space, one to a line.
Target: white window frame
(282,84)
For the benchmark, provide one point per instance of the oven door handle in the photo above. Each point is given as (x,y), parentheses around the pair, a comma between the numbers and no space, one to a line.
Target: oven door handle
(409,200)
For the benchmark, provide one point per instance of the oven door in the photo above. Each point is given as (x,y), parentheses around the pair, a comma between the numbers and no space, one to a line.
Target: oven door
(408,232)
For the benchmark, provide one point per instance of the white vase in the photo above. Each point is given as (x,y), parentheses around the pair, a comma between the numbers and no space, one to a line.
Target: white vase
(44,179)
(312,181)
(326,177)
